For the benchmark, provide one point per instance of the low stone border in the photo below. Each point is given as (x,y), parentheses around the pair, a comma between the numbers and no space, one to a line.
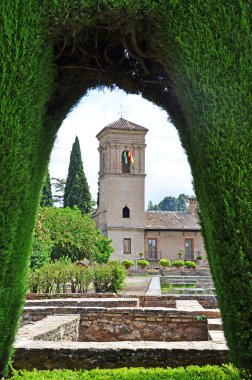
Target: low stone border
(82,355)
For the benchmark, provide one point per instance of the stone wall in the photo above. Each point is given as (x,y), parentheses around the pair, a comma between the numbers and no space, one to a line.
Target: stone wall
(140,324)
(169,301)
(52,328)
(119,324)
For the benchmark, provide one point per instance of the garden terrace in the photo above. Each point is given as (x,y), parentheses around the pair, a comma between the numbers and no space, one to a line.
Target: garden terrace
(66,333)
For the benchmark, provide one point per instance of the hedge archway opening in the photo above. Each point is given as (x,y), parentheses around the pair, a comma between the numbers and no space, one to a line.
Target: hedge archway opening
(193,59)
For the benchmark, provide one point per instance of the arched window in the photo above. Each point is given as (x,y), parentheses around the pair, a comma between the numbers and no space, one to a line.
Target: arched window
(126,212)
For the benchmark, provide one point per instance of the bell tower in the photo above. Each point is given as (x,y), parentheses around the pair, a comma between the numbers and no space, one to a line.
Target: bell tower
(120,211)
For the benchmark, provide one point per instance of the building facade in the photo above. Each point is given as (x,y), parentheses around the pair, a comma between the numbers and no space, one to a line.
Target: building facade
(120,211)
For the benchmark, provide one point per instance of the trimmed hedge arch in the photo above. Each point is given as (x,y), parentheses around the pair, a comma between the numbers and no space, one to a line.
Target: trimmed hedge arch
(191,58)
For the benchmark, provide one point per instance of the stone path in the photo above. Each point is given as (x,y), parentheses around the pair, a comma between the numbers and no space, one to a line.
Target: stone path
(154,288)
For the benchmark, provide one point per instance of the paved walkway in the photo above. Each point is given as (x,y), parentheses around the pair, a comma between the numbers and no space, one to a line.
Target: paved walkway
(154,287)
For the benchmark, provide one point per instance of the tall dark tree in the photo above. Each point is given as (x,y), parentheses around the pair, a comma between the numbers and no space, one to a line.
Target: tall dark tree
(46,199)
(77,190)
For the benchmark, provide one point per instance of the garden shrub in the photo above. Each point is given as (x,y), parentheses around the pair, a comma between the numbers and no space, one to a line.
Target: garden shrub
(226,372)
(84,277)
(118,273)
(190,264)
(128,263)
(143,263)
(178,263)
(109,278)
(164,263)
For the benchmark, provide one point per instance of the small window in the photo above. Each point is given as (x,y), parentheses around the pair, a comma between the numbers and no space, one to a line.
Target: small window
(189,253)
(152,248)
(126,212)
(126,246)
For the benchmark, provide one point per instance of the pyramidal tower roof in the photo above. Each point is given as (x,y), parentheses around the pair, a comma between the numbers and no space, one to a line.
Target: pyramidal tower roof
(122,124)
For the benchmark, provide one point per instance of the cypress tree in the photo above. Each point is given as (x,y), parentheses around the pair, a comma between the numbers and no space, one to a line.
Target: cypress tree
(77,189)
(46,199)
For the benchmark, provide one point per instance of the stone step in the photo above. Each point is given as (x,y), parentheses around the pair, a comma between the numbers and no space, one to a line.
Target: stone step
(215,324)
(85,302)
(217,336)
(188,305)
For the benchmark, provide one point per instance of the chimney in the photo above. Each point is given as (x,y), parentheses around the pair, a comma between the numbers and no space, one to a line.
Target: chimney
(192,205)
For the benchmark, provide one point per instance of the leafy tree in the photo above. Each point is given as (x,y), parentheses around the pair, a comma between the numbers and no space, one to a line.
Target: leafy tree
(77,190)
(152,207)
(104,248)
(59,189)
(46,196)
(182,202)
(72,235)
(168,204)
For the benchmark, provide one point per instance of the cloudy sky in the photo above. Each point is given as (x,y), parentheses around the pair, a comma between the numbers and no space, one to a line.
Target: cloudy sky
(167,169)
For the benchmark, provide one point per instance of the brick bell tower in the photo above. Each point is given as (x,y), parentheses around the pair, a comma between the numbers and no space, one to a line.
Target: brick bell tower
(120,211)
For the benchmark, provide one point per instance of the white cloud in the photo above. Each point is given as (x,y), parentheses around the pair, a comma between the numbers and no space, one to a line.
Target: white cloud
(167,169)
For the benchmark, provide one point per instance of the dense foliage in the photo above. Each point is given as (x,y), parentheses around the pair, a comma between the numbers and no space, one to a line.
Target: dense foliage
(192,58)
(71,234)
(77,190)
(62,276)
(60,233)
(46,199)
(104,249)
(226,372)
(170,203)
(109,277)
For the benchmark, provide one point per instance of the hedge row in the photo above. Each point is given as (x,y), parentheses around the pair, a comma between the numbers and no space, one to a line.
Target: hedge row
(226,372)
(64,276)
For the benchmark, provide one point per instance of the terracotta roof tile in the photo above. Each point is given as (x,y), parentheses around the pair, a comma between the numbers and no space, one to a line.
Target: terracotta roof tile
(125,125)
(171,220)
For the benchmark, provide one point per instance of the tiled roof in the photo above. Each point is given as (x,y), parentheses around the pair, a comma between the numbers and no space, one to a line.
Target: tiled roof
(171,220)
(124,125)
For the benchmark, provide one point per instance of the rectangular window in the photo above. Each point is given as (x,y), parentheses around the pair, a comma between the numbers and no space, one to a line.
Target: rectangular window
(189,254)
(127,246)
(152,248)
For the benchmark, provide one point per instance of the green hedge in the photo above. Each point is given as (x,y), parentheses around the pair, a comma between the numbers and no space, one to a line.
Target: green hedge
(226,372)
(193,59)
